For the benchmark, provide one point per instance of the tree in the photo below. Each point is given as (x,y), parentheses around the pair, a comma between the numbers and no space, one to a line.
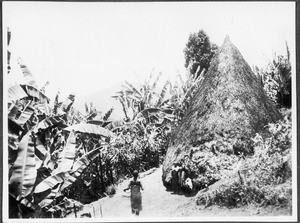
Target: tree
(198,53)
(276,78)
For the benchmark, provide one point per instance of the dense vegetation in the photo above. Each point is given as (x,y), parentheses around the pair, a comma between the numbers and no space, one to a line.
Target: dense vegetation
(55,151)
(276,77)
(263,178)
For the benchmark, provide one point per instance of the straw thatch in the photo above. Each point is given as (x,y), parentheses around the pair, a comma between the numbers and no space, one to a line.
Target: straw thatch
(229,99)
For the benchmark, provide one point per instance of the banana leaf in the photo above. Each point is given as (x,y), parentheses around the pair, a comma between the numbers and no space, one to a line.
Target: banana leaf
(27,74)
(31,122)
(51,181)
(55,121)
(35,93)
(91,129)
(84,161)
(65,179)
(49,162)
(24,168)
(67,183)
(51,196)
(43,109)
(15,93)
(38,161)
(20,117)
(40,149)
(68,155)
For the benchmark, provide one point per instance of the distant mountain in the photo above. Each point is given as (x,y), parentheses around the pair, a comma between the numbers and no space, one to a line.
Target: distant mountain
(103,101)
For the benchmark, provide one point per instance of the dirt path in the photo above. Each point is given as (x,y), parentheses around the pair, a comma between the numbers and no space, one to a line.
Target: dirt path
(158,203)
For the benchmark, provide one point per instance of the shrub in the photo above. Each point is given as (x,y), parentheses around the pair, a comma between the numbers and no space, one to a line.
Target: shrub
(265,177)
(205,164)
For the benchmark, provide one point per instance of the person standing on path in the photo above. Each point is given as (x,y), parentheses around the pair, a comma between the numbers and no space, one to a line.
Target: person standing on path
(175,178)
(135,187)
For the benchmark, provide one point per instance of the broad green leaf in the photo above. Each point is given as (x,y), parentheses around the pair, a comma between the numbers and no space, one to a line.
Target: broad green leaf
(40,152)
(49,162)
(56,183)
(15,93)
(35,93)
(24,168)
(68,155)
(38,161)
(84,161)
(21,116)
(70,180)
(51,196)
(46,202)
(51,181)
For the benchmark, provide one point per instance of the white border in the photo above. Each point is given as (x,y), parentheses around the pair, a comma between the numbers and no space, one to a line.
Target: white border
(291,218)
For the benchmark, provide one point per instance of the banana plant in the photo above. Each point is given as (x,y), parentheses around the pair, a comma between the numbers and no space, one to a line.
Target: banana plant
(60,180)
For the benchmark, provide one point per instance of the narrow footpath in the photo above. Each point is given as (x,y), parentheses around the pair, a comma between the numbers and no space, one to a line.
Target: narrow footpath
(159,203)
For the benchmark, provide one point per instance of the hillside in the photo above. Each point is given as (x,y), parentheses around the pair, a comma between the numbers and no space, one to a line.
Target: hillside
(103,101)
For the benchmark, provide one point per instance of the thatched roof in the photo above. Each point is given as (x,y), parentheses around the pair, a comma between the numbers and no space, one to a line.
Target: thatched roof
(230,98)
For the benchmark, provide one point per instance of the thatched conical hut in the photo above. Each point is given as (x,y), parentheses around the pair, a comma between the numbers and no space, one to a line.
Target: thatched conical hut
(229,99)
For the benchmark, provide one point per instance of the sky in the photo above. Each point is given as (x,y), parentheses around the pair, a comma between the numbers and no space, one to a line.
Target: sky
(82,47)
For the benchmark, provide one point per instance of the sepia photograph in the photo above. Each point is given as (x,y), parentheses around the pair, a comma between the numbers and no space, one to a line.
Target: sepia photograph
(149,111)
